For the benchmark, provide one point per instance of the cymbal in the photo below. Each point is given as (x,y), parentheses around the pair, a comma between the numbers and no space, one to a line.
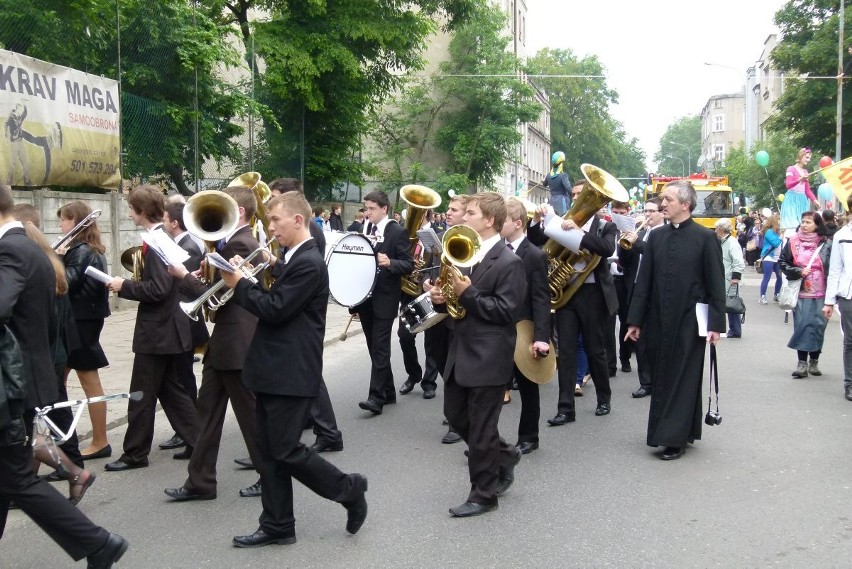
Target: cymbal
(537,370)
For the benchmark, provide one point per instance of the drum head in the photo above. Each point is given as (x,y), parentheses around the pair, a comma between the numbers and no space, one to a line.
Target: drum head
(352,267)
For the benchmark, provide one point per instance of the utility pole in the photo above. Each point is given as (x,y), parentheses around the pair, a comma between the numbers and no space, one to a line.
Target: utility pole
(838,133)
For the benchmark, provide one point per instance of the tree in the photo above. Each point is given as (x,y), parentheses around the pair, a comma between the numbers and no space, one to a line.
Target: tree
(682,140)
(746,177)
(807,108)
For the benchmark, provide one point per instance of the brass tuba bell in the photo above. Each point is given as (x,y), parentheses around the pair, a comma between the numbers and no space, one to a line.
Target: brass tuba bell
(461,245)
(420,200)
(211,215)
(133,262)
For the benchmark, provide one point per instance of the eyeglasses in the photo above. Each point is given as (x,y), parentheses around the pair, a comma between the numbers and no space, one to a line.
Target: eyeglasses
(651,210)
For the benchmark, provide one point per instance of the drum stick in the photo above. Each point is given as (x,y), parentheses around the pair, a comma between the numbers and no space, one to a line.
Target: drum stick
(343,336)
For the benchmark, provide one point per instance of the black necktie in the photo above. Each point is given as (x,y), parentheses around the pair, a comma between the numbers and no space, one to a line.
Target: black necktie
(372,230)
(509,245)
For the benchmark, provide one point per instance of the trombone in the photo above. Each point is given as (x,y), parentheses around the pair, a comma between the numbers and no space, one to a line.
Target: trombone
(84,223)
(213,302)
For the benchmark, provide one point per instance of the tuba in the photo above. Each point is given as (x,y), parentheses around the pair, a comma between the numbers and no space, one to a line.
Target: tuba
(568,269)
(461,245)
(420,200)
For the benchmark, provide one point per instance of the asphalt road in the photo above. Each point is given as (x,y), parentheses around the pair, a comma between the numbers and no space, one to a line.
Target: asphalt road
(770,486)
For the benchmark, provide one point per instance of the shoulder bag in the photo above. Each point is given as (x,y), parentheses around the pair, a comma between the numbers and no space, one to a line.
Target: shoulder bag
(789,296)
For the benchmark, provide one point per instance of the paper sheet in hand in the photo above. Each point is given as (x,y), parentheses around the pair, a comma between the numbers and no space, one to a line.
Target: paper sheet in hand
(570,239)
(167,250)
(624,223)
(430,240)
(220,262)
(702,311)
(98,275)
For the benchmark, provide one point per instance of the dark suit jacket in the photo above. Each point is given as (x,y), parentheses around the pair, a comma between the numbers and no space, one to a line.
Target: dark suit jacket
(536,305)
(386,293)
(161,326)
(600,240)
(629,260)
(27,297)
(285,355)
(198,329)
(482,348)
(234,326)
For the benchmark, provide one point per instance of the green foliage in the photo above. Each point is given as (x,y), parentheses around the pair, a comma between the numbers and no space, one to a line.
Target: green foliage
(747,177)
(682,139)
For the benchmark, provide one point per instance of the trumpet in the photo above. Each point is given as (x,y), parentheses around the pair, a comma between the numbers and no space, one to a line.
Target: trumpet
(210,299)
(627,240)
(84,223)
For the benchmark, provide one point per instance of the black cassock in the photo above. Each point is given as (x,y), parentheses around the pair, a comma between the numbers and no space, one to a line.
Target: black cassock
(681,266)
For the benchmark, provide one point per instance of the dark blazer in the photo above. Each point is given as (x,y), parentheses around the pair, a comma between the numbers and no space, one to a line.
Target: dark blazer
(536,305)
(600,240)
(285,355)
(487,332)
(319,236)
(161,327)
(234,326)
(629,259)
(198,329)
(89,298)
(386,293)
(356,226)
(27,297)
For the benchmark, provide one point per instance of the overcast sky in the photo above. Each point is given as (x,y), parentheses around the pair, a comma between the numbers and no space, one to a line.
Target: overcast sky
(654,52)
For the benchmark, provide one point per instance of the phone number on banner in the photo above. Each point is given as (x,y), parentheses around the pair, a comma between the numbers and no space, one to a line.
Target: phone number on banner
(93,167)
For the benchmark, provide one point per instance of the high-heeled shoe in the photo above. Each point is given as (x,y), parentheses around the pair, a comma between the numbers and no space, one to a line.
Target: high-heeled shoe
(83,486)
(507,397)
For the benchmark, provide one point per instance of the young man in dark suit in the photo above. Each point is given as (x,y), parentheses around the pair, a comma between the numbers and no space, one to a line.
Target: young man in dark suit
(160,341)
(479,362)
(284,369)
(221,377)
(536,308)
(378,312)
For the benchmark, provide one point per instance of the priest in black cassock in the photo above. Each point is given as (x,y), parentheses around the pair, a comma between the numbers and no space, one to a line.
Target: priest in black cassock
(681,266)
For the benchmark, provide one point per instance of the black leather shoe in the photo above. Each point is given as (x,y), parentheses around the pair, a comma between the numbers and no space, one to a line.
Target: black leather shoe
(603,409)
(174,442)
(105,452)
(120,465)
(245,463)
(407,387)
(261,538)
(849,393)
(641,392)
(560,419)
(625,367)
(183,495)
(429,393)
(451,437)
(109,553)
(673,453)
(322,445)
(372,406)
(470,509)
(356,511)
(185,454)
(507,473)
(252,491)
(527,447)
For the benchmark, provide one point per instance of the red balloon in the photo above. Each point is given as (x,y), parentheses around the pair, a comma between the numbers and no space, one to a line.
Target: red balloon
(825,162)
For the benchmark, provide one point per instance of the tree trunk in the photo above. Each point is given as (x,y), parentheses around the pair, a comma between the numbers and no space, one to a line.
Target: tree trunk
(175,172)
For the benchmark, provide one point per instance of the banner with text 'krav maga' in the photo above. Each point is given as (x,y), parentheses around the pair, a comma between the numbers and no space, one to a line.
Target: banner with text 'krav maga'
(61,125)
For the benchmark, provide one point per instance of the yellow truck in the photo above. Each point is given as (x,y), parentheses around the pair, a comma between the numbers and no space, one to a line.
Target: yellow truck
(715,197)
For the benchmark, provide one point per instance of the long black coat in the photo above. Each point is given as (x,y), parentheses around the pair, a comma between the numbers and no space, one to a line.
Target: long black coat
(681,266)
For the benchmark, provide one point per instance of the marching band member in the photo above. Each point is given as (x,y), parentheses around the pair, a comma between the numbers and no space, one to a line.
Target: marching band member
(614,339)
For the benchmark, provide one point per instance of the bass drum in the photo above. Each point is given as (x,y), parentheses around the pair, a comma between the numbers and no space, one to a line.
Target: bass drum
(352,270)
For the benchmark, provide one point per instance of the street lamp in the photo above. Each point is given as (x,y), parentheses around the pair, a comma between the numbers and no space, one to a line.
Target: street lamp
(688,154)
(682,169)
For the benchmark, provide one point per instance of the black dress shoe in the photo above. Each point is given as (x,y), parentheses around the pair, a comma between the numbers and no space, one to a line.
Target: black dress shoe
(560,419)
(625,367)
(356,511)
(451,437)
(261,538)
(527,447)
(470,509)
(673,453)
(245,463)
(429,393)
(323,445)
(642,392)
(109,553)
(174,442)
(183,495)
(120,465)
(849,393)
(372,406)
(507,473)
(252,491)
(407,387)
(105,452)
(185,454)
(602,409)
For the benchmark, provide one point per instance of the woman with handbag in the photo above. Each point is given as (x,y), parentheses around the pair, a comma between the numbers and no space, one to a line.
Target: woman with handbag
(754,244)
(732,260)
(769,256)
(804,260)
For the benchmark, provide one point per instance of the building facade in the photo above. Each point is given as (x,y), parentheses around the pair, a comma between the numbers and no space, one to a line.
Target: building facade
(722,128)
(764,85)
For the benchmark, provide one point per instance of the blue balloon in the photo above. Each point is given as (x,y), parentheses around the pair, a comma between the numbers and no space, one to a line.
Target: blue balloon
(825,192)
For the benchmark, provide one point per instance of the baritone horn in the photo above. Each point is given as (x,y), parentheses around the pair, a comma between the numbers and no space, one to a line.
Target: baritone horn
(420,200)
(461,245)
(133,262)
(211,215)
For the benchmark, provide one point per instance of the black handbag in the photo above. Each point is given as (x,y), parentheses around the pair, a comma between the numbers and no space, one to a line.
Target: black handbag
(733,302)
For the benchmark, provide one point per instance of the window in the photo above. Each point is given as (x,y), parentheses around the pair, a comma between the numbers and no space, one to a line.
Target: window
(719,152)
(718,123)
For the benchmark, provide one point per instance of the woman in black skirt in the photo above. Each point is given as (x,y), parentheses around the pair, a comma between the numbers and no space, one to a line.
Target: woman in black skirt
(90,304)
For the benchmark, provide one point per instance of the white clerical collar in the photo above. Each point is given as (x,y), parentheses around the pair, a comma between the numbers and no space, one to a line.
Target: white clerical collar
(289,254)
(10,225)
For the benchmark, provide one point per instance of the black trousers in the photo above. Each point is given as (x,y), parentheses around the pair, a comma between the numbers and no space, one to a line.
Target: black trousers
(322,413)
(50,510)
(283,457)
(473,412)
(530,408)
(377,332)
(436,344)
(585,313)
(408,345)
(187,375)
(625,349)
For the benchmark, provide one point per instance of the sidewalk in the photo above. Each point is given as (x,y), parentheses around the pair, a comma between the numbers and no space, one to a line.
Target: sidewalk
(117,341)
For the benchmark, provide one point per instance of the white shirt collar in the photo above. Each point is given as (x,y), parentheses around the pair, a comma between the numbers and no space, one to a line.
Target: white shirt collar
(516,244)
(489,244)
(10,225)
(380,226)
(289,254)
(180,236)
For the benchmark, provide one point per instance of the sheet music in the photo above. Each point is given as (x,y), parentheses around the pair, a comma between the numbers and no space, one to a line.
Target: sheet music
(166,249)
(98,275)
(430,241)
(570,239)
(220,262)
(624,223)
